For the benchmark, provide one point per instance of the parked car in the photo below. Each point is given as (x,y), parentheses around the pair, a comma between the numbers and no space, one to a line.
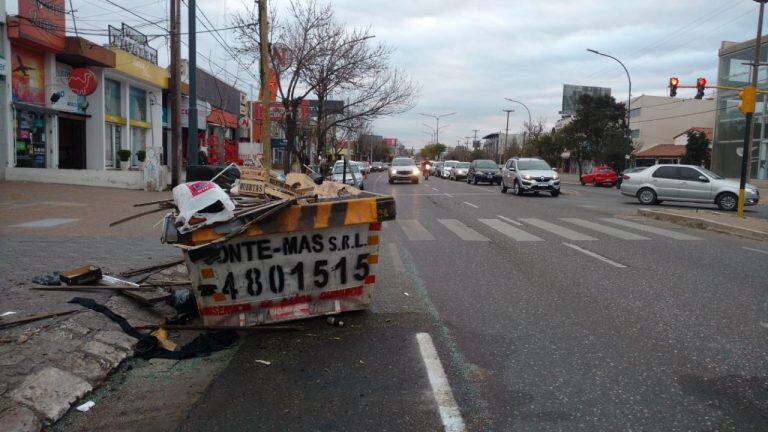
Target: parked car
(437,167)
(529,175)
(627,171)
(353,177)
(687,183)
(447,167)
(600,175)
(404,168)
(459,171)
(484,170)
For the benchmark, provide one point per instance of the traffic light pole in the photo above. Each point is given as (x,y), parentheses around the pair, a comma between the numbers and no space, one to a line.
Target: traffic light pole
(746,155)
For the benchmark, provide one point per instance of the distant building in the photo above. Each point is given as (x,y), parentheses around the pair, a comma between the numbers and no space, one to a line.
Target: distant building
(657,119)
(729,121)
(571,94)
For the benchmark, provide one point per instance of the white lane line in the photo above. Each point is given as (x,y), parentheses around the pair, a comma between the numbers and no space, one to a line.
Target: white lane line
(594,255)
(510,231)
(44,223)
(557,229)
(512,221)
(755,250)
(471,205)
(436,189)
(441,389)
(397,261)
(464,232)
(651,229)
(624,235)
(414,230)
(448,195)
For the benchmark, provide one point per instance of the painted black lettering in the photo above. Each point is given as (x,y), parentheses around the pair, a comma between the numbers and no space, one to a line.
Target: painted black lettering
(234,253)
(290,246)
(229,286)
(317,243)
(358,243)
(248,245)
(305,246)
(253,276)
(332,243)
(223,255)
(344,242)
(263,249)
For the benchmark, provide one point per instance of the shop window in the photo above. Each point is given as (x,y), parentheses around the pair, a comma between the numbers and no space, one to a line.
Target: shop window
(137,99)
(30,139)
(112,99)
(114,135)
(138,142)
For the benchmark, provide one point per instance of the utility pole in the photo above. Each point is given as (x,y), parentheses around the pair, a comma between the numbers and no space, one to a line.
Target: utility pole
(266,127)
(506,130)
(746,156)
(437,123)
(475,139)
(175,84)
(192,145)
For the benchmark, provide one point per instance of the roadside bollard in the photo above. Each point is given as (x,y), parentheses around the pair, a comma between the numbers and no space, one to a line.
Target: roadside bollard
(335,321)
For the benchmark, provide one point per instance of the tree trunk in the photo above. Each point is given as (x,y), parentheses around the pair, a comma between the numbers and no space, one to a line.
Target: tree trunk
(321,129)
(290,136)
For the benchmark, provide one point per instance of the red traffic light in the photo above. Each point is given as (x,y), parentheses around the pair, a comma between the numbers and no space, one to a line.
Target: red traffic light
(701,82)
(673,82)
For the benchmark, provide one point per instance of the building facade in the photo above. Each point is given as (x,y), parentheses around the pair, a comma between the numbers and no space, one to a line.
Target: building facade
(658,120)
(730,124)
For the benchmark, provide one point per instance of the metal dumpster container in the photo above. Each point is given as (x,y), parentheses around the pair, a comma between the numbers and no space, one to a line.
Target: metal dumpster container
(307,260)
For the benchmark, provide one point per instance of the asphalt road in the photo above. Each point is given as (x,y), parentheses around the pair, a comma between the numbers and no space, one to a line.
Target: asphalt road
(546,314)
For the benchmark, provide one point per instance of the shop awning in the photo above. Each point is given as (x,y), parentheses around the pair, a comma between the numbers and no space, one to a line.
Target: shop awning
(222,118)
(34,108)
(663,151)
(82,52)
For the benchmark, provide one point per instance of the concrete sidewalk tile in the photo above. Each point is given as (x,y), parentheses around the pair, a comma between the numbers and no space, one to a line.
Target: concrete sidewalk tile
(19,419)
(107,352)
(117,339)
(50,391)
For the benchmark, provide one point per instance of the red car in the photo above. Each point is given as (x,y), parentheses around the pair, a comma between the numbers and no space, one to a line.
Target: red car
(600,175)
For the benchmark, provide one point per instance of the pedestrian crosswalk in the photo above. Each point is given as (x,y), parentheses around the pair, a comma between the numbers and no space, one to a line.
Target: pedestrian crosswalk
(536,230)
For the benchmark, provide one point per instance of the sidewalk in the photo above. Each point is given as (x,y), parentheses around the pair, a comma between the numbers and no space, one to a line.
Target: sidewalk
(46,365)
(722,222)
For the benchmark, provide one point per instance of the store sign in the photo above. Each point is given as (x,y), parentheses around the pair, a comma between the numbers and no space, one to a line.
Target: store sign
(28,76)
(277,111)
(43,22)
(131,40)
(82,81)
(243,104)
(66,99)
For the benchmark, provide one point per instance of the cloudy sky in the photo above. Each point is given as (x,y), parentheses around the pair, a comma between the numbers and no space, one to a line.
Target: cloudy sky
(468,56)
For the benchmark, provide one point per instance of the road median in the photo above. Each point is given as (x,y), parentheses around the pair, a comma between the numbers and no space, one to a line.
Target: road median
(749,228)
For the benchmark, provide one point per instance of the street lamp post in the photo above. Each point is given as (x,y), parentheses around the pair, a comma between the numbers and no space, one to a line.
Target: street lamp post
(530,121)
(437,123)
(629,104)
(506,132)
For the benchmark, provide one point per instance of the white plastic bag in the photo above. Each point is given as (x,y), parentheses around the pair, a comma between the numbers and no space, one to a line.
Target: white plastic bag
(193,197)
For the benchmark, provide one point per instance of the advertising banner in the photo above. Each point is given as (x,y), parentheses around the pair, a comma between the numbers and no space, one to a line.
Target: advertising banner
(68,101)
(28,80)
(43,22)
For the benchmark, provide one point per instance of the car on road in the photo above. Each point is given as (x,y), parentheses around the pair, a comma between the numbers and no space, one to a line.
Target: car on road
(600,175)
(484,170)
(404,169)
(377,167)
(437,167)
(365,167)
(627,171)
(529,175)
(685,183)
(447,167)
(353,177)
(459,171)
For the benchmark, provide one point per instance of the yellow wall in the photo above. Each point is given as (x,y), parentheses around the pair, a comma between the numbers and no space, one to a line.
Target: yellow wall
(140,69)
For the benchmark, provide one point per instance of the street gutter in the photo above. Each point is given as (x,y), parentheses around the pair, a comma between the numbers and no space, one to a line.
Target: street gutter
(703,223)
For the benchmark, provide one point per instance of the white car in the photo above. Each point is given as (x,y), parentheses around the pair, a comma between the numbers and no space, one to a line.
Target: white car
(447,168)
(354,176)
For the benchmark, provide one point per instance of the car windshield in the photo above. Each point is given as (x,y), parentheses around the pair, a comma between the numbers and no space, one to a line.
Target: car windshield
(462,165)
(486,164)
(402,162)
(338,169)
(532,164)
(450,164)
(710,173)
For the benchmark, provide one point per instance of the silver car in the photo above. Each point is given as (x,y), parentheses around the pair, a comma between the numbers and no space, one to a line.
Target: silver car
(404,168)
(687,183)
(459,171)
(353,178)
(447,167)
(529,175)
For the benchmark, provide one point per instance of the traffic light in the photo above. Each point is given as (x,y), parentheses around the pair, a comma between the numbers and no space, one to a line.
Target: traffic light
(701,84)
(673,82)
(748,98)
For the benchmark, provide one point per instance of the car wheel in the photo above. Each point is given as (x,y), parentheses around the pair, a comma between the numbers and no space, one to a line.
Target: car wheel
(594,182)
(518,190)
(727,201)
(391,181)
(646,196)
(475,180)
(555,193)
(503,187)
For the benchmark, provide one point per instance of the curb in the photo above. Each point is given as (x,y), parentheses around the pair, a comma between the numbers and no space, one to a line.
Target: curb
(704,224)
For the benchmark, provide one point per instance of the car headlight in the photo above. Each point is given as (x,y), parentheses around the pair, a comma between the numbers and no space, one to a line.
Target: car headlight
(527,177)
(556,177)
(416,171)
(392,171)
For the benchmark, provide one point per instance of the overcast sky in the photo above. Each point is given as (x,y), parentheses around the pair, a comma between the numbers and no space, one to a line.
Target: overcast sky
(468,56)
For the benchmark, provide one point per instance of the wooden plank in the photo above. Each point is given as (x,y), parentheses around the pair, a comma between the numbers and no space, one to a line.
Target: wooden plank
(31,318)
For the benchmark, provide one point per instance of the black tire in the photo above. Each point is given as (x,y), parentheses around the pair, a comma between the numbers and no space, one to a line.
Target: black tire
(582,182)
(391,181)
(594,182)
(646,196)
(555,193)
(503,187)
(416,181)
(518,189)
(727,201)
(475,180)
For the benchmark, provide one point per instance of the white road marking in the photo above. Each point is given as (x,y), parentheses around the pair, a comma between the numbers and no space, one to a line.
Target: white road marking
(594,255)
(448,195)
(45,223)
(755,250)
(624,235)
(471,205)
(397,261)
(464,232)
(557,229)
(441,389)
(436,189)
(384,225)
(651,229)
(510,231)
(414,230)
(512,221)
